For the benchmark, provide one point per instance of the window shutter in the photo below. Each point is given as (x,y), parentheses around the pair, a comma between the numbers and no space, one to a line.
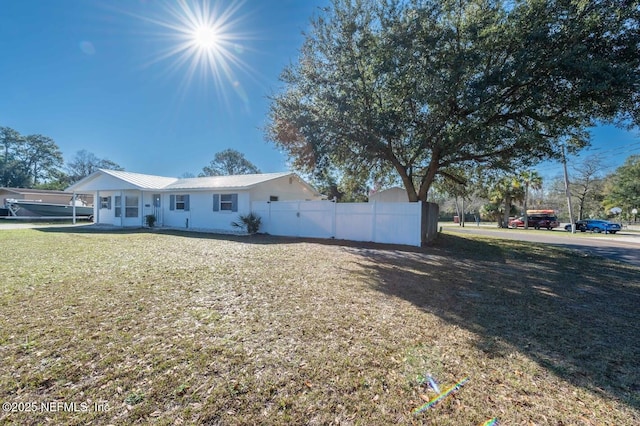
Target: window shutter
(172,202)
(109,202)
(216,202)
(234,202)
(186,203)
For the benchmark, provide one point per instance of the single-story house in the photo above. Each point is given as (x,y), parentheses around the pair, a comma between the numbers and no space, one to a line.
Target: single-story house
(390,195)
(213,202)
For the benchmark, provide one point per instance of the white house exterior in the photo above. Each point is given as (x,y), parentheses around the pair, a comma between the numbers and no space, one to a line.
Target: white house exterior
(125,198)
(390,195)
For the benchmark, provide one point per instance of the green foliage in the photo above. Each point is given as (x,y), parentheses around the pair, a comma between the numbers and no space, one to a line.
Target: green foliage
(502,191)
(13,172)
(150,219)
(42,157)
(134,398)
(229,162)
(250,222)
(623,187)
(412,88)
(27,161)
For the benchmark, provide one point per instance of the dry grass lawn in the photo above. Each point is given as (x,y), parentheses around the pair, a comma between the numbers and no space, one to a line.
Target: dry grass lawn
(150,327)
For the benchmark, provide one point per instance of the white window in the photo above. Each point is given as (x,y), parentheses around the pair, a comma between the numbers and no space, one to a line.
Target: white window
(180,202)
(226,202)
(118,205)
(105,202)
(131,206)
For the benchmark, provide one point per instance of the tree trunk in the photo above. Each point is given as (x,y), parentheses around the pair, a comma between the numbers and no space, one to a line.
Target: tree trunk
(406,180)
(507,210)
(428,178)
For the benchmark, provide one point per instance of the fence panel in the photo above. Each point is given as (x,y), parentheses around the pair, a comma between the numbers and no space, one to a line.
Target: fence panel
(354,221)
(392,223)
(284,218)
(398,223)
(316,219)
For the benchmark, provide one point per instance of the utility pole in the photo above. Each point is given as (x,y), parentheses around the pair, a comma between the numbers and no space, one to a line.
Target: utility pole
(567,190)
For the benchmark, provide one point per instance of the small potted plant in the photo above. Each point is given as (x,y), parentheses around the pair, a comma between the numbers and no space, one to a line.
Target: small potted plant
(150,219)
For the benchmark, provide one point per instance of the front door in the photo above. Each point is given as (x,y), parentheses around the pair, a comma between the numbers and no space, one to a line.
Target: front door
(157,210)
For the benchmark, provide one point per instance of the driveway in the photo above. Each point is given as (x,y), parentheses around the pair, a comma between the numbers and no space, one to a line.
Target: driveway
(623,246)
(17,224)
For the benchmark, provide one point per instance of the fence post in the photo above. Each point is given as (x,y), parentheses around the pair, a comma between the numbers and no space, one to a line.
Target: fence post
(419,219)
(374,209)
(334,219)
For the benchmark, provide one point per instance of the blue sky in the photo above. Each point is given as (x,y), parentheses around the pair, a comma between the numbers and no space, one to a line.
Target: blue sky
(103,75)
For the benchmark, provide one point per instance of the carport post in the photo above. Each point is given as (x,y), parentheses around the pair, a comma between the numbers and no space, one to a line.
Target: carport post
(73,200)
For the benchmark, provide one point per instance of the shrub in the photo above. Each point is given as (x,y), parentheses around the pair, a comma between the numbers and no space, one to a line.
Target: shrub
(151,220)
(250,222)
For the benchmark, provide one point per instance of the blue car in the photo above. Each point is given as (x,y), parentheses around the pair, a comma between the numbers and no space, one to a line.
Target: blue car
(595,225)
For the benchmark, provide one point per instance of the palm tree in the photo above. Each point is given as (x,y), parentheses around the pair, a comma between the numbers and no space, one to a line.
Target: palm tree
(530,179)
(506,190)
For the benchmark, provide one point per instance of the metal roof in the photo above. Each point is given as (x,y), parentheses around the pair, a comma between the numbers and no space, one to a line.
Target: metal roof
(225,182)
(140,180)
(31,191)
(151,182)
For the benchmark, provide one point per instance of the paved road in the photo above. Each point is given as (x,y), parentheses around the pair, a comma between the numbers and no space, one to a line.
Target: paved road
(623,246)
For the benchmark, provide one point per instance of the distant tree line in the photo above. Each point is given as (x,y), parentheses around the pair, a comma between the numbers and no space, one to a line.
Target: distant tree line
(35,161)
(496,196)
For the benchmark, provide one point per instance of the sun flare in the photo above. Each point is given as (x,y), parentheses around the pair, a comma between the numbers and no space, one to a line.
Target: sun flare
(204,39)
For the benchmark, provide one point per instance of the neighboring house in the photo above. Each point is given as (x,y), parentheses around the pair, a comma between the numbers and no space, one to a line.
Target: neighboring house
(124,198)
(391,195)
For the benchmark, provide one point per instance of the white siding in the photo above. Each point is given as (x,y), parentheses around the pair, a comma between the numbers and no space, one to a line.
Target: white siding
(201,214)
(393,223)
(286,188)
(391,195)
(108,215)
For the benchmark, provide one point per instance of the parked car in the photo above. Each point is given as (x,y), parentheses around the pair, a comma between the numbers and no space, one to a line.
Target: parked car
(536,221)
(595,225)
(580,226)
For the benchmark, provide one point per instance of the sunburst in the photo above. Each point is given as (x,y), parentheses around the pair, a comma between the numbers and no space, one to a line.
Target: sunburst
(202,37)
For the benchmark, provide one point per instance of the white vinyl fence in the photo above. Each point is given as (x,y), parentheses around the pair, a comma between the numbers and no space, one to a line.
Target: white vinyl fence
(393,223)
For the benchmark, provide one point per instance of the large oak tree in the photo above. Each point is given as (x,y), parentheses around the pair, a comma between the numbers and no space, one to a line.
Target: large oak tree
(422,87)
(27,161)
(229,162)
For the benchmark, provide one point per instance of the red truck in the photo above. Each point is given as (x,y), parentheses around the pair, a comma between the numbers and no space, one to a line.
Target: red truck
(537,219)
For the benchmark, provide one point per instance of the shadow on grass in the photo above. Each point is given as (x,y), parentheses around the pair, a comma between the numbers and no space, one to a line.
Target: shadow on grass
(262,239)
(576,316)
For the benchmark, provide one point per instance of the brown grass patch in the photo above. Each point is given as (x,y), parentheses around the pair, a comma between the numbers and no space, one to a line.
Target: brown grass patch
(197,329)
